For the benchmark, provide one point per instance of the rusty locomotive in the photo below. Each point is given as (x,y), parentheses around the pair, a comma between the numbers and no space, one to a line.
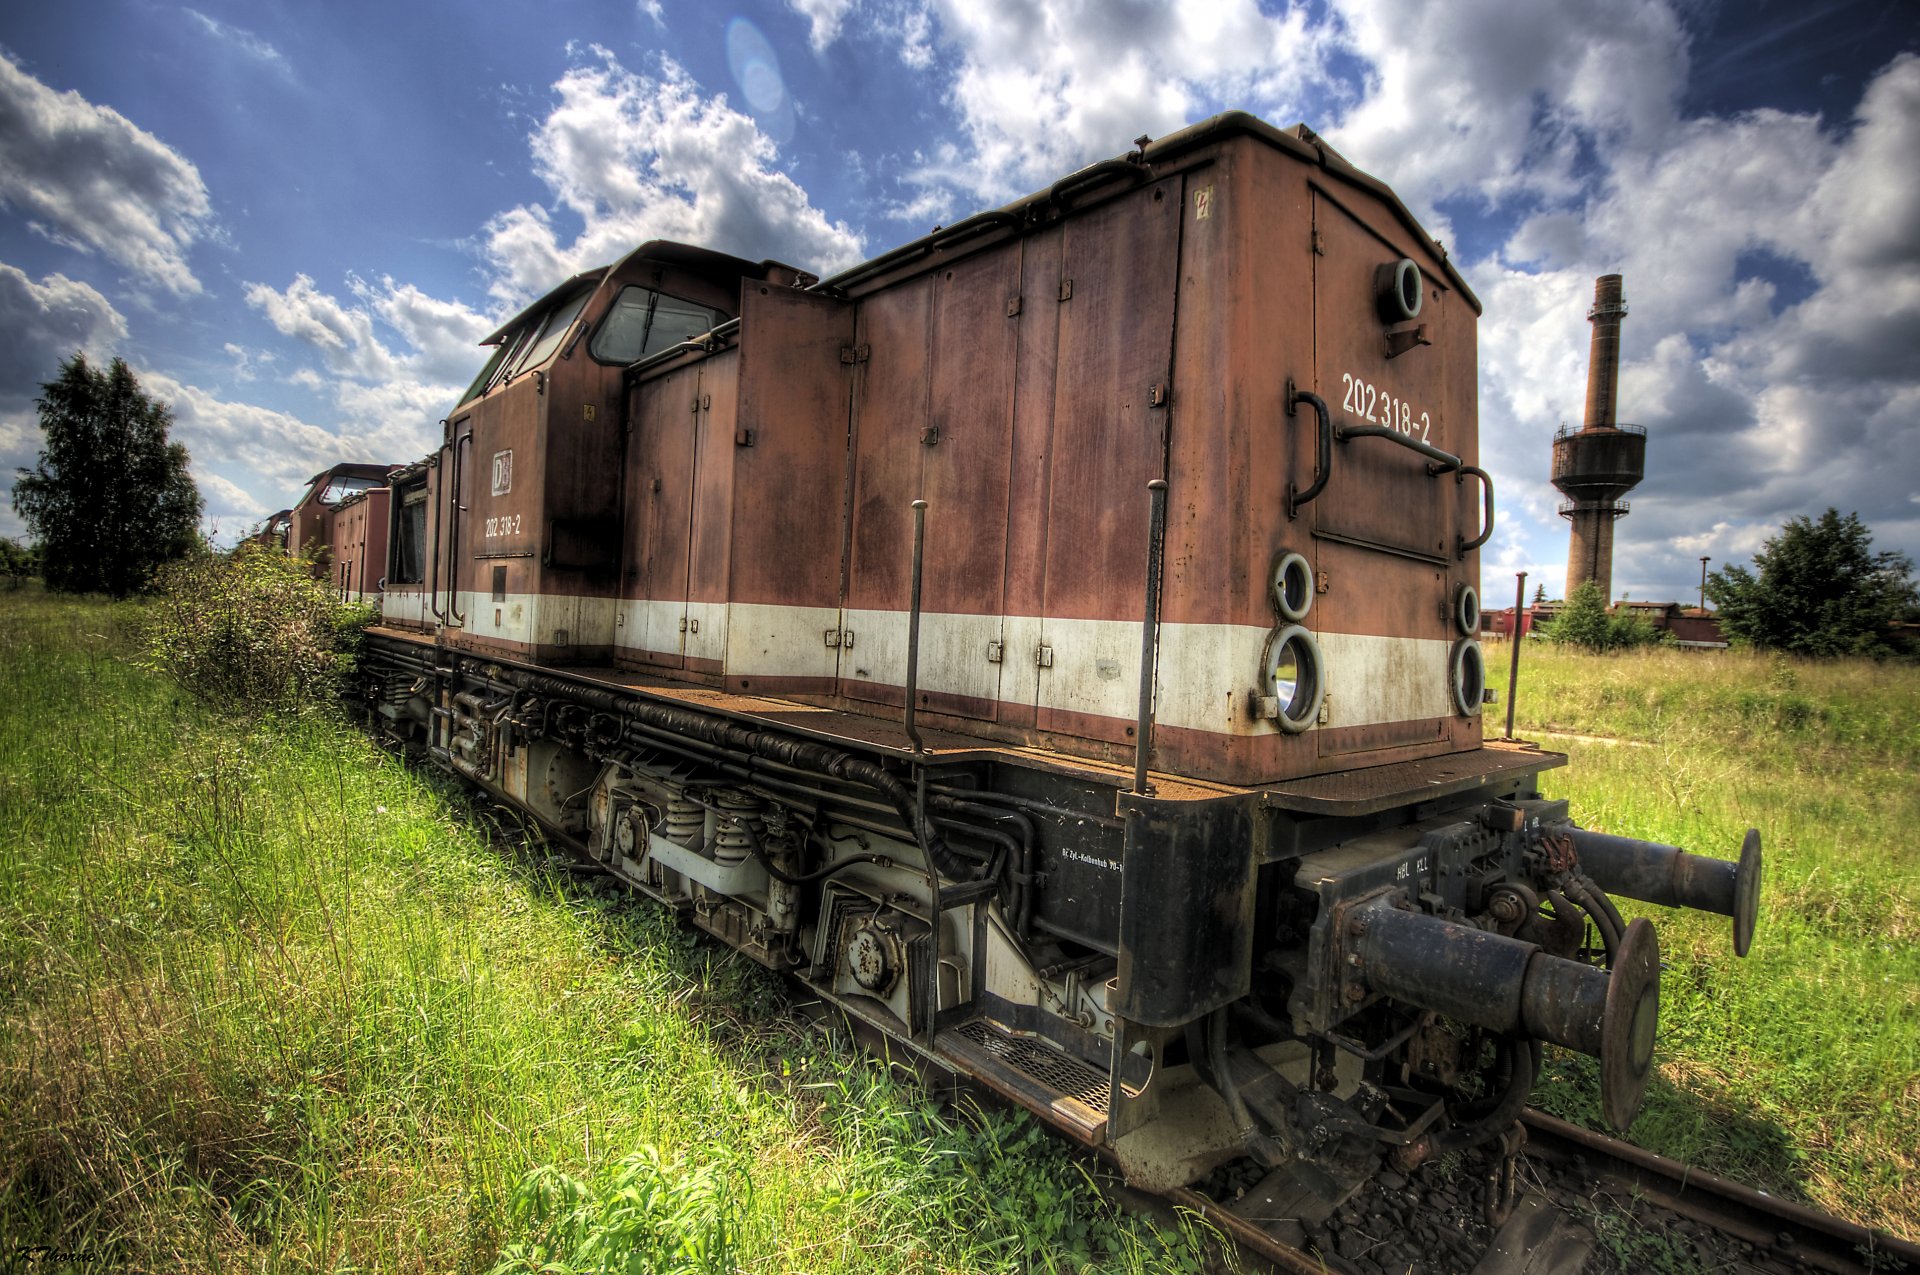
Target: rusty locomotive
(1055,643)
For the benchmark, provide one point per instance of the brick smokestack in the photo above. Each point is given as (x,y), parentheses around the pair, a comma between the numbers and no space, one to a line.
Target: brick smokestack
(1602,461)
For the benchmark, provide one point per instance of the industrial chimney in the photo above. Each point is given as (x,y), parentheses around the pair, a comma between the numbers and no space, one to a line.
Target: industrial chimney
(1603,460)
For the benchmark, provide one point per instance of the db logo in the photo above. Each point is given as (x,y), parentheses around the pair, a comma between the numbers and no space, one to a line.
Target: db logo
(502,473)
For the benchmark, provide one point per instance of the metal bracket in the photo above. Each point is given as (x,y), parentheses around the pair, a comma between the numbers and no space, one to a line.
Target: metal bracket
(1400,340)
(1066,290)
(1043,656)
(833,637)
(995,652)
(851,354)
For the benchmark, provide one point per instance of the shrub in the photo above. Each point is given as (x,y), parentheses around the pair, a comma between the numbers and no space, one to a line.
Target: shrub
(1584,622)
(253,631)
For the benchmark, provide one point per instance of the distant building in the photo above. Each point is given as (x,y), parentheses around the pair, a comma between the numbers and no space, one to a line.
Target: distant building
(1690,626)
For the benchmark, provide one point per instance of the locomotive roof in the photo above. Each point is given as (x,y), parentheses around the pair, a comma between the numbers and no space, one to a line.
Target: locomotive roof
(353,469)
(719,267)
(1299,141)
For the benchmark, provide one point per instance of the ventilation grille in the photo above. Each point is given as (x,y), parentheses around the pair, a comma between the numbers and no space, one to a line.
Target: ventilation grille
(1044,1065)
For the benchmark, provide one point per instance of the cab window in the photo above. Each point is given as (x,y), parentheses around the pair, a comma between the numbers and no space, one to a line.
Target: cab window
(558,320)
(641,322)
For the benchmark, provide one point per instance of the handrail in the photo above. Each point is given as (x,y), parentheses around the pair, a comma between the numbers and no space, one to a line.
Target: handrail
(1438,462)
(1149,652)
(433,573)
(453,529)
(1465,547)
(1446,461)
(913,628)
(1322,452)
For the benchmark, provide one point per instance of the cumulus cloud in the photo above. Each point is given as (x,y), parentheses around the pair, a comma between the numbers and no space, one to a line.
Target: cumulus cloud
(631,157)
(46,322)
(1496,100)
(91,180)
(392,352)
(1041,87)
(1758,406)
(276,452)
(824,18)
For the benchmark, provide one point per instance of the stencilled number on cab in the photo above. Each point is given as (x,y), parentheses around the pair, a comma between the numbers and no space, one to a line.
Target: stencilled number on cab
(504,525)
(1373,404)
(1412,869)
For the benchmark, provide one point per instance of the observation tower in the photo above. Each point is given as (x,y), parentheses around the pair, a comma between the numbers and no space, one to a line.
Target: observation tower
(1597,464)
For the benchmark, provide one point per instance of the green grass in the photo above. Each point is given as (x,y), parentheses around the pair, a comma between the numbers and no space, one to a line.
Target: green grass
(270,1000)
(1798,1068)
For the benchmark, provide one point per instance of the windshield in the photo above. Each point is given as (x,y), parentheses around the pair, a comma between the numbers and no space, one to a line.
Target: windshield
(642,322)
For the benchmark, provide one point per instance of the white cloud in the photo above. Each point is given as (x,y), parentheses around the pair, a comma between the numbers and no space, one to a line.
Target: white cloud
(91,180)
(824,18)
(1760,404)
(395,390)
(1493,99)
(276,452)
(244,41)
(1041,87)
(47,322)
(632,157)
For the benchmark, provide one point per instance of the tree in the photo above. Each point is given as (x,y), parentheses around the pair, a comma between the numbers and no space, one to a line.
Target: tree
(1583,621)
(16,563)
(1539,594)
(1819,590)
(110,498)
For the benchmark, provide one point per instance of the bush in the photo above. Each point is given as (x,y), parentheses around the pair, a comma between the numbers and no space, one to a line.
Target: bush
(254,631)
(1584,622)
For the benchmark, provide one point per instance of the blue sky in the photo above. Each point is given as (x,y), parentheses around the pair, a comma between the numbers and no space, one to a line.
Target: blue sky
(295,220)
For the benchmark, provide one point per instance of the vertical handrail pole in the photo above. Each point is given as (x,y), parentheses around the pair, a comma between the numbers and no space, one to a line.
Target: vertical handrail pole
(1156,548)
(453,529)
(913,625)
(1513,670)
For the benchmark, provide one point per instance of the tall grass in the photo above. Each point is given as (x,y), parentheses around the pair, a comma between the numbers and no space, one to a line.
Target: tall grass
(268,1000)
(1798,1068)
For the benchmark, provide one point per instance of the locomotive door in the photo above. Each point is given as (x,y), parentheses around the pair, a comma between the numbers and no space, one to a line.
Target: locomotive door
(1384,526)
(660,478)
(933,418)
(1119,272)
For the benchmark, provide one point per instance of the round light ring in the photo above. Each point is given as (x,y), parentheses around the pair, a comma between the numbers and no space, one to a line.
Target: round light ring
(1292,673)
(1292,587)
(1468,675)
(1466,610)
(1398,290)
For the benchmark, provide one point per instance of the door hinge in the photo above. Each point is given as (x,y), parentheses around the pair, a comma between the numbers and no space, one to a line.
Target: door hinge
(1043,656)
(1013,306)
(1157,395)
(994,652)
(840,637)
(1066,290)
(833,637)
(851,354)
(1319,245)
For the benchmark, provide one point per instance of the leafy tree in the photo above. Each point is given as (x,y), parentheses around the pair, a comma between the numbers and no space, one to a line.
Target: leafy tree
(1820,590)
(17,563)
(110,498)
(1584,622)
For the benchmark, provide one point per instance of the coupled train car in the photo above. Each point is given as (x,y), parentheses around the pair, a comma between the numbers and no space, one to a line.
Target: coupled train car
(1055,643)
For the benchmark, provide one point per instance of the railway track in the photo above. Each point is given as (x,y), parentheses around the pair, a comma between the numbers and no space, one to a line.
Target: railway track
(1581,1201)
